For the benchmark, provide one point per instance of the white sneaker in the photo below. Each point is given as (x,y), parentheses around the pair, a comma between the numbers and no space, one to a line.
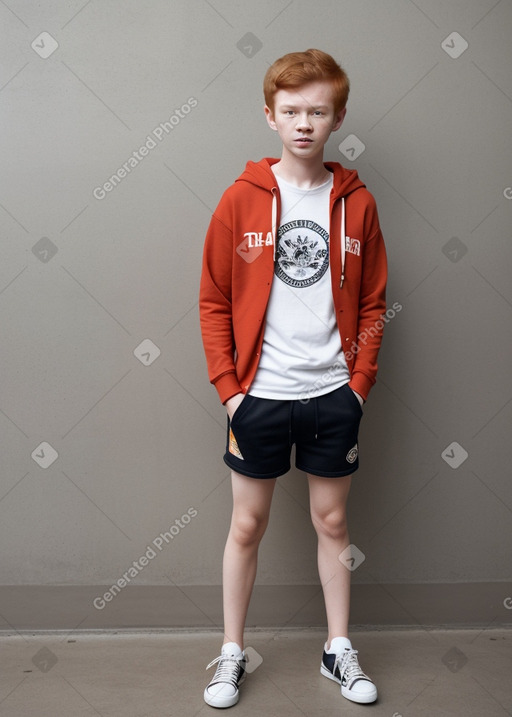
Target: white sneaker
(340,664)
(230,673)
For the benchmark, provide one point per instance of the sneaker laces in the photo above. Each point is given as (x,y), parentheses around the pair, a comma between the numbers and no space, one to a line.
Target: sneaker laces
(349,667)
(228,669)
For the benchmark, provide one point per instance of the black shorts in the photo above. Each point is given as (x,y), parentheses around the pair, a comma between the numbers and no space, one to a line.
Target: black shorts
(323,429)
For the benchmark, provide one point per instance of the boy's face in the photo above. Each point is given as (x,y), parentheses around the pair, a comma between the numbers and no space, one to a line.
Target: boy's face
(304,118)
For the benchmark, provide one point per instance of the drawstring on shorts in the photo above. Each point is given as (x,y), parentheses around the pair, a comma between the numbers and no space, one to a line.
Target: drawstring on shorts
(316,418)
(293,405)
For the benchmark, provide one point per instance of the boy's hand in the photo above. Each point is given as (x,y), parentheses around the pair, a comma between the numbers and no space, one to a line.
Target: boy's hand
(359,398)
(233,403)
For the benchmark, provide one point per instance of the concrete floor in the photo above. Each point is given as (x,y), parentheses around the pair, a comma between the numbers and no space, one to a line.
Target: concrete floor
(155,674)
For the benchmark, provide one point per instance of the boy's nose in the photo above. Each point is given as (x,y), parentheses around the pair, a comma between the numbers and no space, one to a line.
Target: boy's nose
(303,122)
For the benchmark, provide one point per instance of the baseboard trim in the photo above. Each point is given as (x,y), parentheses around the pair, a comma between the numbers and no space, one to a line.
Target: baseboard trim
(156,607)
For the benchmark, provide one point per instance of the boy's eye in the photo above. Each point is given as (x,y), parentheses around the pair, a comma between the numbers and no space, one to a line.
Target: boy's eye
(316,113)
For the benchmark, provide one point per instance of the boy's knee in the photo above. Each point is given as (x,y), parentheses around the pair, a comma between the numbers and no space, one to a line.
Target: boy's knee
(248,529)
(332,524)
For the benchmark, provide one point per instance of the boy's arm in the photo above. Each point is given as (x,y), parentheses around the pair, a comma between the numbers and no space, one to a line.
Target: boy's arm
(215,309)
(372,305)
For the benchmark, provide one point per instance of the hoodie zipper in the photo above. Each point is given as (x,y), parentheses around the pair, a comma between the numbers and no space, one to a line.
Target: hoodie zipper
(343,241)
(274,221)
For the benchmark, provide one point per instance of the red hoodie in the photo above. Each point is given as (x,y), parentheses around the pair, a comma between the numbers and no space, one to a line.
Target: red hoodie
(238,269)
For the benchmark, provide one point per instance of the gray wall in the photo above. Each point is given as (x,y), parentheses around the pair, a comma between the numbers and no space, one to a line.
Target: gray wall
(88,275)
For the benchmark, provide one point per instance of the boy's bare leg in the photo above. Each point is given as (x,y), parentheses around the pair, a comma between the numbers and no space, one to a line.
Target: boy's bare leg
(252,498)
(328,500)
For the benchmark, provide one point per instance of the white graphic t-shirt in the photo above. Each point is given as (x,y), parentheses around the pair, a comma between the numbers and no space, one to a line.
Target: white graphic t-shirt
(301,355)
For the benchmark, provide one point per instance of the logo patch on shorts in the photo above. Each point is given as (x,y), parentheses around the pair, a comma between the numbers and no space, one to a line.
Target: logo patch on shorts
(352,454)
(233,446)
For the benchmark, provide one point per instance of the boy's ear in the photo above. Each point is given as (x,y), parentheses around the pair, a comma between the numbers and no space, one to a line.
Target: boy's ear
(338,121)
(270,118)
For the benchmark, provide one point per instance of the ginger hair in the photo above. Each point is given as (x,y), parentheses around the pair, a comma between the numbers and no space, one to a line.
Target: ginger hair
(299,68)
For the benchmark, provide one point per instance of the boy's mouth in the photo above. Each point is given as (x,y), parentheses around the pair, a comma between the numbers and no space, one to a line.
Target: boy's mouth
(302,140)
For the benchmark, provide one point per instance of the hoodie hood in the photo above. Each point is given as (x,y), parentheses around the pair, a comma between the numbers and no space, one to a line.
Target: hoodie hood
(260,173)
(345,181)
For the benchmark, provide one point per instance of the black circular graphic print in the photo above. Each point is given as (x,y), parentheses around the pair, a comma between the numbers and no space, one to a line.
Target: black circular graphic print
(302,253)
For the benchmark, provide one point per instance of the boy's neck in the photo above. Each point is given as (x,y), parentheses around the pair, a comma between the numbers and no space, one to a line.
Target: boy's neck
(305,174)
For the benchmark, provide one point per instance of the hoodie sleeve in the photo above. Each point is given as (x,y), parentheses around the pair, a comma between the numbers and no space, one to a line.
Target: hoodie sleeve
(372,305)
(215,307)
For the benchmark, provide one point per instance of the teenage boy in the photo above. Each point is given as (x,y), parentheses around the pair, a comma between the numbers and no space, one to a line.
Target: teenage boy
(292,293)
